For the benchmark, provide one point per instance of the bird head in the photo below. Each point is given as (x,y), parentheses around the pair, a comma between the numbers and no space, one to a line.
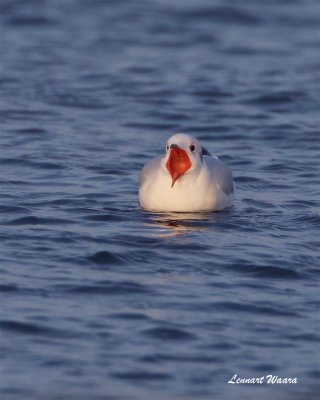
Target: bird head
(184,156)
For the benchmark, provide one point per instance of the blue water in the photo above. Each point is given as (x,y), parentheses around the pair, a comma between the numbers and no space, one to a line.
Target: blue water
(102,300)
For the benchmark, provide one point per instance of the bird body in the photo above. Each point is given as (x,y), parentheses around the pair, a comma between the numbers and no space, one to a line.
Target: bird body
(186,179)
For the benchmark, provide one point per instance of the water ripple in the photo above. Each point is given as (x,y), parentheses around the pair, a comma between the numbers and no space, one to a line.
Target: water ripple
(105,288)
(105,258)
(25,328)
(269,271)
(169,334)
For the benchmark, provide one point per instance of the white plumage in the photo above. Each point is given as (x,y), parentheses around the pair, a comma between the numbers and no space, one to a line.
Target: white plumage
(186,179)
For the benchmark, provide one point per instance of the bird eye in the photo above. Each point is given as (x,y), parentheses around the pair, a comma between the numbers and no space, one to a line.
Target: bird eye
(192,147)
(167,147)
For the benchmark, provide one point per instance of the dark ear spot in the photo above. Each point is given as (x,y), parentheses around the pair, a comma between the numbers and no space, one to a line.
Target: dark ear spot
(205,152)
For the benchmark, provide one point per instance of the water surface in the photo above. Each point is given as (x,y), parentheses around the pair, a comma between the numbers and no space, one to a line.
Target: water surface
(102,300)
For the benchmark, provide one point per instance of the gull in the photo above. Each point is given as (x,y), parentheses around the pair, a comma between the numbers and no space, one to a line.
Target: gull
(187,178)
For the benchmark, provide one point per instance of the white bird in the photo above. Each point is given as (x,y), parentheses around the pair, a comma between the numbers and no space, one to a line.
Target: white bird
(186,179)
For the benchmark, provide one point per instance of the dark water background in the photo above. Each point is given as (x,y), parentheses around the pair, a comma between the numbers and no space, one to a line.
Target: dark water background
(101,300)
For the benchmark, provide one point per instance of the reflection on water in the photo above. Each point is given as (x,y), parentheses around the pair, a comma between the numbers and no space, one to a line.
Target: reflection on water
(175,223)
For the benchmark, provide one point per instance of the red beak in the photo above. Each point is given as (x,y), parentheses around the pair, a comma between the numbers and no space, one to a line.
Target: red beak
(178,163)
